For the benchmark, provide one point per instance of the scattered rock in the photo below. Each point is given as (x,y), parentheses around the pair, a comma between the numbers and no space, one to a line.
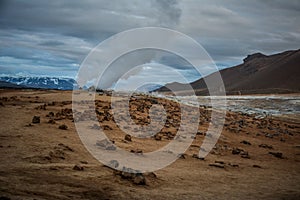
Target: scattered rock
(200,133)
(28,125)
(266,146)
(139,180)
(41,107)
(137,151)
(96,127)
(36,120)
(256,166)
(78,168)
(135,176)
(63,127)
(113,164)
(157,137)
(106,127)
(276,154)
(181,155)
(217,165)
(106,144)
(128,138)
(111,148)
(269,135)
(245,154)
(64,147)
(236,151)
(245,142)
(197,157)
(57,154)
(50,114)
(51,121)
(233,165)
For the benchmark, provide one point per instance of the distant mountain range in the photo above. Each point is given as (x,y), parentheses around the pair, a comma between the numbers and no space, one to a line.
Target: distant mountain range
(37,82)
(259,74)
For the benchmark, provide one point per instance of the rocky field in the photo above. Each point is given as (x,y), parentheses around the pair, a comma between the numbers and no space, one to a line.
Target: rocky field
(42,156)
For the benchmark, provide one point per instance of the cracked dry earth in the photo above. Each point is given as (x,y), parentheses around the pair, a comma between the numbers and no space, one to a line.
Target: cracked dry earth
(42,156)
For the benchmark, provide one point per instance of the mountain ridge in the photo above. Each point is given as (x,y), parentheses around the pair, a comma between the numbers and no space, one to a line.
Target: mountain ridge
(42,82)
(259,73)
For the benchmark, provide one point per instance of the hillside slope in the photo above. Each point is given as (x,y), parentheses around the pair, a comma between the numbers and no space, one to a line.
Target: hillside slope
(278,73)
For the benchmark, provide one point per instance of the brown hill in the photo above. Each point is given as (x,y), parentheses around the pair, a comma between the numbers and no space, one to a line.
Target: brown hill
(278,73)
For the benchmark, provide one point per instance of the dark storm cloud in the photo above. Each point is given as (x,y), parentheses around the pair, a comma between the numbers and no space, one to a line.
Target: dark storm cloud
(61,33)
(88,19)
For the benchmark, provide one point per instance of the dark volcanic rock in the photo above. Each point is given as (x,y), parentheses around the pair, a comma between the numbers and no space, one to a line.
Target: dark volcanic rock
(78,168)
(36,120)
(218,165)
(245,142)
(63,127)
(276,154)
(266,146)
(236,151)
(128,138)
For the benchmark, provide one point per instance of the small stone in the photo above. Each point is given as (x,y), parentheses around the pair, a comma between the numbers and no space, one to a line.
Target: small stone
(199,133)
(236,151)
(197,156)
(106,127)
(256,166)
(50,114)
(96,127)
(113,164)
(181,155)
(233,165)
(266,146)
(245,142)
(126,175)
(137,151)
(157,137)
(128,138)
(29,125)
(139,179)
(51,121)
(245,154)
(150,175)
(63,127)
(36,120)
(78,168)
(218,165)
(269,135)
(276,154)
(111,148)
(103,143)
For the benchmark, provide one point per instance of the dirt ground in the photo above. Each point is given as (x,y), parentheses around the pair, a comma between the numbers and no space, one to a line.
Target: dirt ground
(253,159)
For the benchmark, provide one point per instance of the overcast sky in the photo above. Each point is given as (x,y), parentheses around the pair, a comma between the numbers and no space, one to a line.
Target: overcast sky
(53,37)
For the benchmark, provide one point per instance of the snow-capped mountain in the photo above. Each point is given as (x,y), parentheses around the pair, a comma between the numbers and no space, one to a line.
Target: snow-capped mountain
(60,83)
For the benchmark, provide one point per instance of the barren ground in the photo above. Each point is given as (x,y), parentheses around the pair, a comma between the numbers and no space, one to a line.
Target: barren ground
(37,160)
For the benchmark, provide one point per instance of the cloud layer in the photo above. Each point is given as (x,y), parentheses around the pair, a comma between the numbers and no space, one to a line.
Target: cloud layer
(53,37)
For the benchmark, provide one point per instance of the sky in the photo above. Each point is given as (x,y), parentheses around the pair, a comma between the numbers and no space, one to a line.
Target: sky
(53,37)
